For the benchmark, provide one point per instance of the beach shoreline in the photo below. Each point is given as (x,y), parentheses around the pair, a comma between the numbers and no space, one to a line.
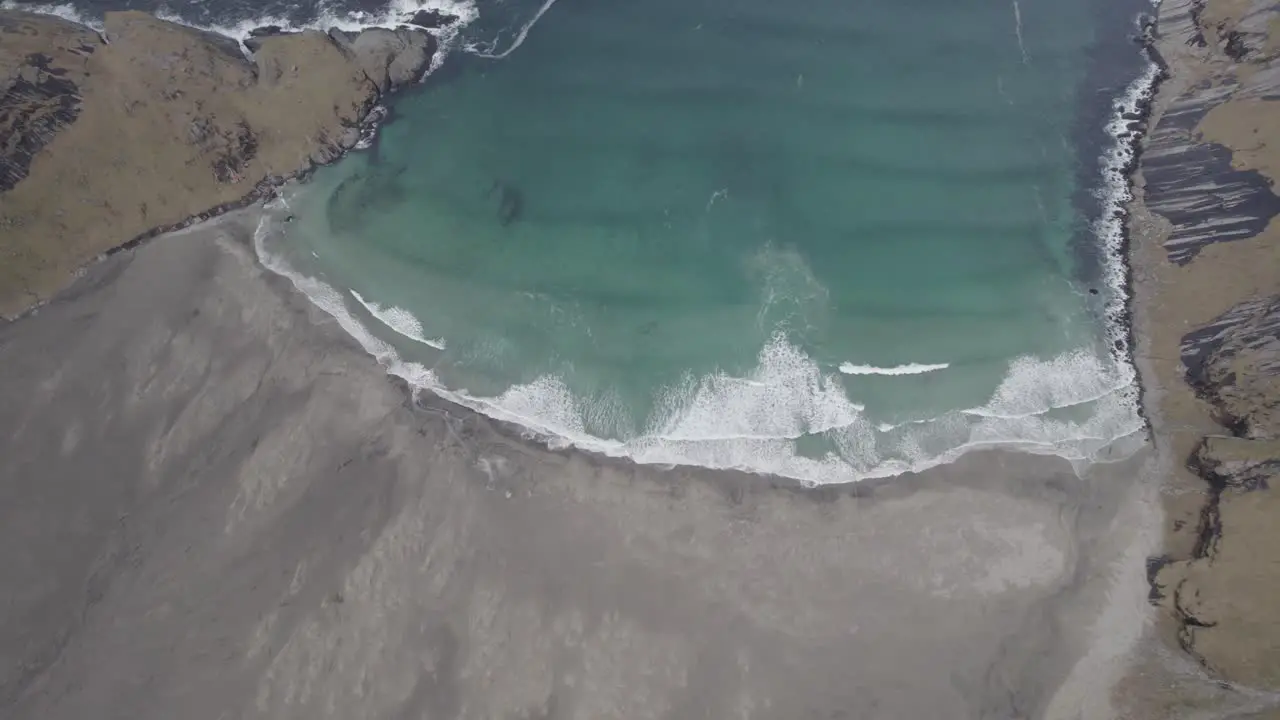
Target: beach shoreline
(353,546)
(1016,531)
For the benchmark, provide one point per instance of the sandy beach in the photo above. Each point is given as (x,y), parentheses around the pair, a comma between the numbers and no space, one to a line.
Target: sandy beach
(214,504)
(217,506)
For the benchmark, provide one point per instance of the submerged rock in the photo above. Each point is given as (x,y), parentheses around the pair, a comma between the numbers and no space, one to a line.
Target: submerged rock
(363,195)
(510,201)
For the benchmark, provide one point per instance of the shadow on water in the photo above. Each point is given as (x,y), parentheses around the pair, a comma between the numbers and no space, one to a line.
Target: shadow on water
(509,200)
(374,191)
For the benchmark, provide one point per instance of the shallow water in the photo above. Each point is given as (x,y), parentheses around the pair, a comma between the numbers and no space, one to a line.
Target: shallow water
(796,240)
(811,239)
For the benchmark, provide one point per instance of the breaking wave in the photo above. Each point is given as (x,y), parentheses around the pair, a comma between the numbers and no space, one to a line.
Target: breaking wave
(394,14)
(1073,405)
(908,369)
(400,320)
(793,417)
(754,420)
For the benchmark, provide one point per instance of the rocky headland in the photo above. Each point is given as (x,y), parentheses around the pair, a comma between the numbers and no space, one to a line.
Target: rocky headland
(1206,259)
(107,138)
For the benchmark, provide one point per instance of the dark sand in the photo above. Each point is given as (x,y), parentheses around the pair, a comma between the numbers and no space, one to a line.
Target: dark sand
(214,505)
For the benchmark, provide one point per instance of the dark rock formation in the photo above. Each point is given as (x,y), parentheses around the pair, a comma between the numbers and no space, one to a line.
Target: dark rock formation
(1230,463)
(267,31)
(39,93)
(253,43)
(1223,596)
(430,19)
(1234,363)
(1242,29)
(1209,167)
(1194,185)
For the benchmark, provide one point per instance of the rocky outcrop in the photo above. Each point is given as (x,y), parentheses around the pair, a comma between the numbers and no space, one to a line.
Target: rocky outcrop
(430,19)
(1224,596)
(41,93)
(1192,177)
(1209,171)
(1241,28)
(108,139)
(1194,185)
(1234,364)
(389,58)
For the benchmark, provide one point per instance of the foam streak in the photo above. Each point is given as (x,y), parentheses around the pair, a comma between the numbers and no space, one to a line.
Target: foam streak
(524,33)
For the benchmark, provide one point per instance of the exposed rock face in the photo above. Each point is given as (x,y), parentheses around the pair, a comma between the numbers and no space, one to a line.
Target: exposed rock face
(430,19)
(1209,168)
(1193,175)
(388,57)
(1234,363)
(1194,185)
(41,93)
(1224,597)
(164,124)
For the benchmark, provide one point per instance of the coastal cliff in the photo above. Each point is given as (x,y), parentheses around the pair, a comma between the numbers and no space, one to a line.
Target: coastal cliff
(1207,286)
(110,137)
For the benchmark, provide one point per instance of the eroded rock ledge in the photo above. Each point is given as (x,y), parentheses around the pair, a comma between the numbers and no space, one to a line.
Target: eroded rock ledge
(106,139)
(1210,167)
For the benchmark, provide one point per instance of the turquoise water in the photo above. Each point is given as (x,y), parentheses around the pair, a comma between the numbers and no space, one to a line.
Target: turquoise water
(809,238)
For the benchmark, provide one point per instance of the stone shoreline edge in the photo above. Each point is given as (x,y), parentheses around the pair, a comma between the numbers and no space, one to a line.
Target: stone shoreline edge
(1204,310)
(245,118)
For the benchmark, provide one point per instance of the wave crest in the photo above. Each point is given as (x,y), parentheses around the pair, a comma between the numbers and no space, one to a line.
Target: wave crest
(398,319)
(849,368)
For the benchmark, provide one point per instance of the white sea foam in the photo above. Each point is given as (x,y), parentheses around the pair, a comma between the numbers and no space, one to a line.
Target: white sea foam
(1034,387)
(66,11)
(520,37)
(394,15)
(785,397)
(1116,193)
(908,369)
(751,421)
(398,319)
(331,301)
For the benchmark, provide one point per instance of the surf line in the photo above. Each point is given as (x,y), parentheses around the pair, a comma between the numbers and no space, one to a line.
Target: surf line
(524,33)
(399,320)
(1017,30)
(908,369)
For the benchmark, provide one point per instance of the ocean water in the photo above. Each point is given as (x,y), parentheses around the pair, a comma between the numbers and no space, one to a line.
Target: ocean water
(826,239)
